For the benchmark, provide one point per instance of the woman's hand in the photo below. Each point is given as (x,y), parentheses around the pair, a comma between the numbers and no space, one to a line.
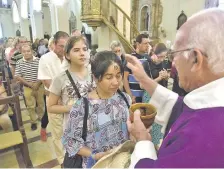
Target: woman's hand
(99,155)
(164,74)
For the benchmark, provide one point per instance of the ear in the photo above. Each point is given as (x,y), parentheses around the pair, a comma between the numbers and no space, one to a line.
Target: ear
(67,56)
(94,78)
(197,60)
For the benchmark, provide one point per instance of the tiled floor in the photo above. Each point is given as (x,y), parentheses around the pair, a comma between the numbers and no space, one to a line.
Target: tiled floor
(41,153)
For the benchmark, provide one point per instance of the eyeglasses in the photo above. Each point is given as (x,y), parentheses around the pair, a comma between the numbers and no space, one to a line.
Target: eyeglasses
(171,53)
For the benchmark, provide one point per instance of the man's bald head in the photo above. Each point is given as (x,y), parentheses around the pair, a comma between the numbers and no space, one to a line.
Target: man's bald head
(199,56)
(205,31)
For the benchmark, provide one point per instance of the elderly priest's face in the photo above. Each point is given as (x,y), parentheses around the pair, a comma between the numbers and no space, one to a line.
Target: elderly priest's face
(198,55)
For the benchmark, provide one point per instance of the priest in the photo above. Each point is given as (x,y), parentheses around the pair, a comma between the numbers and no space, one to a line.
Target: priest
(193,125)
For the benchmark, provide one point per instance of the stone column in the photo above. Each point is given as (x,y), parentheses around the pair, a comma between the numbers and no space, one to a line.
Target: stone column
(36,22)
(38,17)
(53,19)
(62,18)
(103,38)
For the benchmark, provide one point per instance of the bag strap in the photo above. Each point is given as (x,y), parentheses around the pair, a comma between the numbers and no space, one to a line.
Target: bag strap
(124,97)
(84,128)
(149,69)
(73,84)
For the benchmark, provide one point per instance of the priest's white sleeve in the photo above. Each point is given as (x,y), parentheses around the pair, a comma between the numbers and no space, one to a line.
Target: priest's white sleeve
(143,149)
(164,100)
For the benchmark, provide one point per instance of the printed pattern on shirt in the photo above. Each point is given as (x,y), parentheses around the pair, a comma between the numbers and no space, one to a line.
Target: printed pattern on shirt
(106,125)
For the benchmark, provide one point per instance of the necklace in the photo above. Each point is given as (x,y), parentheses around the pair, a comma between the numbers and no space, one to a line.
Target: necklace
(98,94)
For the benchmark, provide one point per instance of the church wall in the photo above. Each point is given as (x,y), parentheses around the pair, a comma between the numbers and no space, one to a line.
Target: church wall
(171,11)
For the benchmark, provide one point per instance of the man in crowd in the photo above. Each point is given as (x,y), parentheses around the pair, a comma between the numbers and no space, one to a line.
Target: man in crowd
(193,126)
(76,32)
(17,54)
(131,86)
(26,72)
(51,65)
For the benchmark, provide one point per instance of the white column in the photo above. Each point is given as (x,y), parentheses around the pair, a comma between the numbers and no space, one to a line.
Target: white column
(24,27)
(62,18)
(103,38)
(36,22)
(53,19)
(39,24)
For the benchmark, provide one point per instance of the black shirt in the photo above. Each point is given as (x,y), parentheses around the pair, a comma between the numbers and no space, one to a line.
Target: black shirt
(153,70)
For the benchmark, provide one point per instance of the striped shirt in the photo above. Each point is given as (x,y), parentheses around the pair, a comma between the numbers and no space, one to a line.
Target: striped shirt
(27,69)
(133,83)
(15,58)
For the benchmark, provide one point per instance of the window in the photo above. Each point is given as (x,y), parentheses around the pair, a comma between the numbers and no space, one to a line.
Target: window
(15,13)
(4,2)
(37,5)
(24,9)
(221,4)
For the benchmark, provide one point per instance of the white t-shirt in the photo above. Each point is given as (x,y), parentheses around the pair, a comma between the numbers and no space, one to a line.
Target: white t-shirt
(49,66)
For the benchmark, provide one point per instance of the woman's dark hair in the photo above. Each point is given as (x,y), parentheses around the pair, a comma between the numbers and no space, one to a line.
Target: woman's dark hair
(160,48)
(71,42)
(101,62)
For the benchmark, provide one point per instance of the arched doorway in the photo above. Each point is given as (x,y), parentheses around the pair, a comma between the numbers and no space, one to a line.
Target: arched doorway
(145,19)
(15,12)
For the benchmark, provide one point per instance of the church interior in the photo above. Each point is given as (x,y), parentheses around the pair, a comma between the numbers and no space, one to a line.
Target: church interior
(101,22)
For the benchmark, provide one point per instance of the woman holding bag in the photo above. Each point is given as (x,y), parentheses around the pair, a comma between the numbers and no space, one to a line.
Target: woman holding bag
(97,122)
(62,88)
(62,94)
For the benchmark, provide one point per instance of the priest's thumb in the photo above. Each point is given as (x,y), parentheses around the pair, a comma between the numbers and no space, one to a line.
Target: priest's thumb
(137,115)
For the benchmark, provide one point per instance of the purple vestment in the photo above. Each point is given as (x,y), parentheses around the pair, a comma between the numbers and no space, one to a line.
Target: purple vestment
(194,141)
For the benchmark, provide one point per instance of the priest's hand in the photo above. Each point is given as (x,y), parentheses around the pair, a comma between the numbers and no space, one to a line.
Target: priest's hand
(136,67)
(137,128)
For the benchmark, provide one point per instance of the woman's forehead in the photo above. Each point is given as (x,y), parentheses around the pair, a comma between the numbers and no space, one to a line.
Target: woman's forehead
(113,68)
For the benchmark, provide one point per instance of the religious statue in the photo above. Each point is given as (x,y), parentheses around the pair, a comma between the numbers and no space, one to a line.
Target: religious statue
(181,19)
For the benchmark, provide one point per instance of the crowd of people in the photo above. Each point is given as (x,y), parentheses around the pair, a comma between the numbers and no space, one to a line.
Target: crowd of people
(86,98)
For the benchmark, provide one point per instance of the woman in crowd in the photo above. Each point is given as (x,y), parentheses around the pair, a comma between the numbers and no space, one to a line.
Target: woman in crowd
(35,44)
(51,44)
(62,94)
(107,113)
(116,47)
(155,67)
